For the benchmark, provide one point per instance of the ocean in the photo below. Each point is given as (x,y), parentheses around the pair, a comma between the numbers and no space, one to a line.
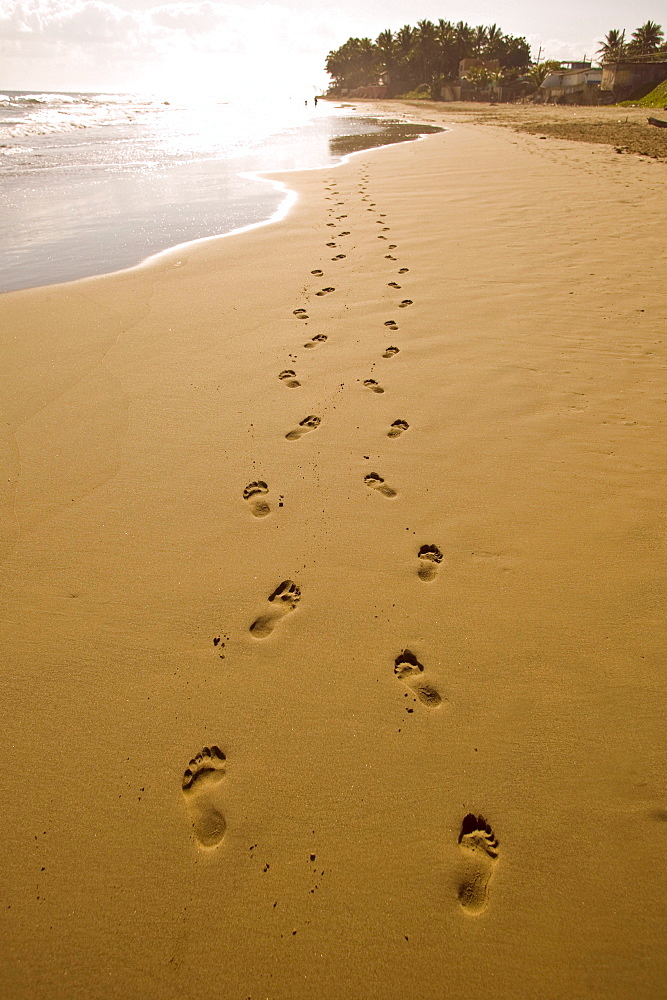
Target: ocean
(94,183)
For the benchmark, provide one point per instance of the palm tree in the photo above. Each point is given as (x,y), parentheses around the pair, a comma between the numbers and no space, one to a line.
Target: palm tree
(446,38)
(479,39)
(646,39)
(385,53)
(427,47)
(613,46)
(540,71)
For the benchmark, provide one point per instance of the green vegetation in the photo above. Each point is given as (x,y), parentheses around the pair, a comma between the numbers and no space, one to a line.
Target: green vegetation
(647,39)
(655,98)
(422,58)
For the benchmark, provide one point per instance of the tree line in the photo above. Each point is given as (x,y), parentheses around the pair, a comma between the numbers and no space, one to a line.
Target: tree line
(645,40)
(427,55)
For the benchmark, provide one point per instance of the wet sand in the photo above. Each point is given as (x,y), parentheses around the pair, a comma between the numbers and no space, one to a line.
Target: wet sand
(333,595)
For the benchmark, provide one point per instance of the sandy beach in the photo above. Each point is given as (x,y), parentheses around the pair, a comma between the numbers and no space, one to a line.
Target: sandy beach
(333,591)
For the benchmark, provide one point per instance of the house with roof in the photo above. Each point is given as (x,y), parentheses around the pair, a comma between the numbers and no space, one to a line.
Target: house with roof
(573,83)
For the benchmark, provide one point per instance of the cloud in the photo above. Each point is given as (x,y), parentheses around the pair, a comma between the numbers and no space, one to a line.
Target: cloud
(556,48)
(93,44)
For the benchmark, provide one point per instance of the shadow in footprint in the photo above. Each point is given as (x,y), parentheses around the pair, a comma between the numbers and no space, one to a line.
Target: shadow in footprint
(370,383)
(405,303)
(397,428)
(288,377)
(480,848)
(254,493)
(284,599)
(376,482)
(409,670)
(390,352)
(200,788)
(430,558)
(305,425)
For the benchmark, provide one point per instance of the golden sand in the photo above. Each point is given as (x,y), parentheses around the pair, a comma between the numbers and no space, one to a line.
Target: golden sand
(333,595)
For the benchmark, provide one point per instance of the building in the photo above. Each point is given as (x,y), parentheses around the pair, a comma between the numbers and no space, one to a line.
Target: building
(622,79)
(579,84)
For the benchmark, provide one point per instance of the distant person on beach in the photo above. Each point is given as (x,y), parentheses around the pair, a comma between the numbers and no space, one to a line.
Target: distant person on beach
(315,102)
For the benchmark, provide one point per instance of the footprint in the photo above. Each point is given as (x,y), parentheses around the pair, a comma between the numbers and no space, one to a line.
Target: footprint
(331,244)
(397,428)
(305,425)
(299,312)
(404,303)
(317,271)
(392,246)
(403,270)
(370,383)
(393,284)
(390,352)
(339,256)
(377,483)
(392,324)
(202,776)
(288,377)
(319,338)
(254,492)
(409,670)
(346,233)
(430,558)
(324,291)
(284,599)
(480,847)
(388,256)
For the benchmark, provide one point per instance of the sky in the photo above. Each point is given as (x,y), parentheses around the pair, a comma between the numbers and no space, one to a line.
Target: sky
(252,48)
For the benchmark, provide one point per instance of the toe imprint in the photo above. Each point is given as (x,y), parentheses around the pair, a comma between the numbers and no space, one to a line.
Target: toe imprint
(397,428)
(200,780)
(390,352)
(254,493)
(284,599)
(430,558)
(480,848)
(377,483)
(370,383)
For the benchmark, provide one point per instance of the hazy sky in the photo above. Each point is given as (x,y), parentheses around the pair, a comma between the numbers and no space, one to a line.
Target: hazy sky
(253,47)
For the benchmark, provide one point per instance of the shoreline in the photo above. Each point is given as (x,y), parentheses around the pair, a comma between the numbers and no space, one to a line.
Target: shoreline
(219,588)
(387,132)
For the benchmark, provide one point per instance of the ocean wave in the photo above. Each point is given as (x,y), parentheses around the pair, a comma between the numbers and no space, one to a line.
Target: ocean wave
(30,115)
